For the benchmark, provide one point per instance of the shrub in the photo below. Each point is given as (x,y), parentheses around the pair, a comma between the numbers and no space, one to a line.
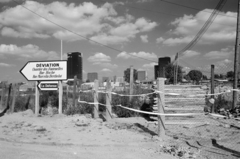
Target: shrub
(135,103)
(22,103)
(222,100)
(81,108)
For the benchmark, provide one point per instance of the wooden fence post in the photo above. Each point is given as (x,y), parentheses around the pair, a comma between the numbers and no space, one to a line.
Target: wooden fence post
(60,97)
(161,105)
(67,89)
(14,97)
(2,95)
(212,87)
(36,99)
(95,96)
(108,101)
(9,96)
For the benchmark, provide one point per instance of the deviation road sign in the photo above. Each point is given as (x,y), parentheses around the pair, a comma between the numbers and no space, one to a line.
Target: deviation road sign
(45,70)
(48,85)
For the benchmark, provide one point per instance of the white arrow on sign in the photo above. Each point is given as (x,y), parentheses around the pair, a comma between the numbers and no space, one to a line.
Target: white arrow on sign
(45,70)
(48,85)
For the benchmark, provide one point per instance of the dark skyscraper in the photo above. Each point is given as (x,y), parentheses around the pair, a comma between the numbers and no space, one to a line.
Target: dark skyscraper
(156,72)
(74,65)
(162,63)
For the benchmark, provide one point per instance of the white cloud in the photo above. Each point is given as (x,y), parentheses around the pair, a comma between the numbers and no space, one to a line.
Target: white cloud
(150,65)
(102,60)
(144,38)
(160,40)
(176,41)
(141,54)
(99,57)
(145,25)
(6,1)
(13,33)
(125,31)
(223,28)
(190,53)
(106,70)
(109,39)
(106,65)
(5,65)
(223,53)
(99,23)
(28,51)
(144,1)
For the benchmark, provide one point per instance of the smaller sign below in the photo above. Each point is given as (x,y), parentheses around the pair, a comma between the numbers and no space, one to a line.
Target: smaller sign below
(48,85)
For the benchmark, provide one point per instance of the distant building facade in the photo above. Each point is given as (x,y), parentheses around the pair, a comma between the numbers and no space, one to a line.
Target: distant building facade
(162,63)
(92,76)
(120,79)
(105,79)
(141,75)
(74,65)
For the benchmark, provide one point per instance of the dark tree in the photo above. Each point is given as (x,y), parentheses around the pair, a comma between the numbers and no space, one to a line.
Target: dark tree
(216,76)
(230,74)
(195,76)
(221,76)
(127,75)
(204,77)
(186,77)
(169,73)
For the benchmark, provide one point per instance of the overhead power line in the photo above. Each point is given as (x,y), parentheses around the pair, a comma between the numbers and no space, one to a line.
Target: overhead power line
(204,27)
(177,4)
(62,27)
(172,3)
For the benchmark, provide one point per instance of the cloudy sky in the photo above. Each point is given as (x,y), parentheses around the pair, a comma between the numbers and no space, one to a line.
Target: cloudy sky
(115,34)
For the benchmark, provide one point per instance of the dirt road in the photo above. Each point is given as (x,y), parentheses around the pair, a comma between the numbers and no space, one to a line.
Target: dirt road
(23,135)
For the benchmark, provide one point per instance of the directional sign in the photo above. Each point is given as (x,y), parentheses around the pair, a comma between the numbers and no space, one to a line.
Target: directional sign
(45,70)
(48,85)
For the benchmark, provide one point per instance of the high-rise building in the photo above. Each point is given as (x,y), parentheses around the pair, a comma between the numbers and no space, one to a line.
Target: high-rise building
(156,72)
(92,76)
(162,63)
(141,75)
(74,65)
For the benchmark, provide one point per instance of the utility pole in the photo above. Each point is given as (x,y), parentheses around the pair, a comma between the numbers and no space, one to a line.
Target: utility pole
(235,81)
(60,92)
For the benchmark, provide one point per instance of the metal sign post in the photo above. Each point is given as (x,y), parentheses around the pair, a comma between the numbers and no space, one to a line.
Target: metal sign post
(45,70)
(48,73)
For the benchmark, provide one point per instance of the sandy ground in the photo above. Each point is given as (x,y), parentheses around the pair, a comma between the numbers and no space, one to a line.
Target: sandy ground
(24,135)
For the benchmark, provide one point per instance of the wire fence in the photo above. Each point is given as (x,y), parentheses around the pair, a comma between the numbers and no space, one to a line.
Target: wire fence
(217,134)
(212,134)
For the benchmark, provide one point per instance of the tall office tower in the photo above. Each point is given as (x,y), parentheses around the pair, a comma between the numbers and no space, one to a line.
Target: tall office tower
(74,65)
(141,75)
(156,72)
(162,63)
(92,76)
